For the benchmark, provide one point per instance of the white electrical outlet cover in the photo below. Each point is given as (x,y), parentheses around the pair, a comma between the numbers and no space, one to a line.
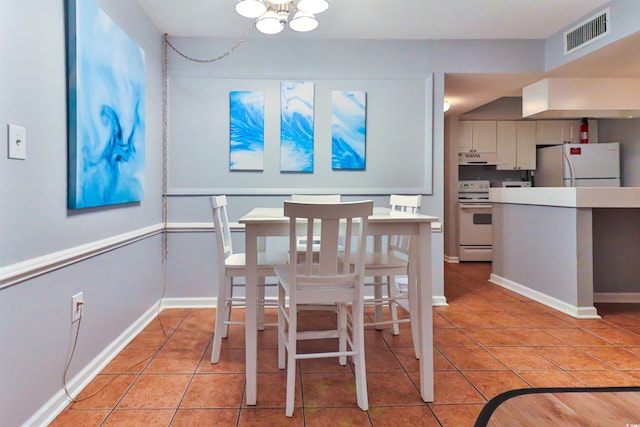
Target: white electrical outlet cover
(17,140)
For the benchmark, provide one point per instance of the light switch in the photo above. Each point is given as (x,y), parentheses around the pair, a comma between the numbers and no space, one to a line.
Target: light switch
(17,138)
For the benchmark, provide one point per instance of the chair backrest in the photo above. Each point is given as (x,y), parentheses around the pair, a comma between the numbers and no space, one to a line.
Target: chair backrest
(317,198)
(221,226)
(403,203)
(334,223)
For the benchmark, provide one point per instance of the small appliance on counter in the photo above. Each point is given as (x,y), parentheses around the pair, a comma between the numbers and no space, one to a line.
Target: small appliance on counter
(474,221)
(579,165)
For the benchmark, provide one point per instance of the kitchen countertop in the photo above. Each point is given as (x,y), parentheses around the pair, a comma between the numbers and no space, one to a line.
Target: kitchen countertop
(569,197)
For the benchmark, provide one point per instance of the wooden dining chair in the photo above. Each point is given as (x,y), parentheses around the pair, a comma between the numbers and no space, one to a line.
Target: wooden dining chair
(232,265)
(335,277)
(386,266)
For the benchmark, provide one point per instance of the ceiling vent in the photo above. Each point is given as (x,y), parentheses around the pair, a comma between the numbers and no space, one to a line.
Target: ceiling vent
(587,32)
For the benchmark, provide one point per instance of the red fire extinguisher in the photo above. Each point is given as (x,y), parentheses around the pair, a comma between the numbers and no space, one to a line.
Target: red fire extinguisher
(584,132)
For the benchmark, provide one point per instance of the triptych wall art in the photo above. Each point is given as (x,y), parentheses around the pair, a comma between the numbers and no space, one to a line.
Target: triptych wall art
(246,133)
(106,110)
(348,130)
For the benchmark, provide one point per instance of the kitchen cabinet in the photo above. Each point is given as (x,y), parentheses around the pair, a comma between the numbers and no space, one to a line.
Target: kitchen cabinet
(516,145)
(555,132)
(479,136)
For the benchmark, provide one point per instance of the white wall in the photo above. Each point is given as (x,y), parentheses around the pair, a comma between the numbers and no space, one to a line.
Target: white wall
(118,286)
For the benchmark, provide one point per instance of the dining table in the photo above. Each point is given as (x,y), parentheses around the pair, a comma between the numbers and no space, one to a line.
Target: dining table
(262,222)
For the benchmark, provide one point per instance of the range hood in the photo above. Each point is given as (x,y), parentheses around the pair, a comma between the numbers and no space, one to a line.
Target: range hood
(575,98)
(474,158)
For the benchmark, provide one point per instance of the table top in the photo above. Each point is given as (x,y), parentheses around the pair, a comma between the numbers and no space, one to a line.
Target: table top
(380,214)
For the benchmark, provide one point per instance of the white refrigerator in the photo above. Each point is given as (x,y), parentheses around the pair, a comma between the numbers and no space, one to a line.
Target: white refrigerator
(578,165)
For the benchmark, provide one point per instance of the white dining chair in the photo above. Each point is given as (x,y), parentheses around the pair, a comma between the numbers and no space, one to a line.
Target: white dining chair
(386,266)
(230,266)
(314,198)
(334,277)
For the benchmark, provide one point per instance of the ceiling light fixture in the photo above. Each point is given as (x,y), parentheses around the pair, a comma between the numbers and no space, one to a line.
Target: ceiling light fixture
(272,15)
(446,106)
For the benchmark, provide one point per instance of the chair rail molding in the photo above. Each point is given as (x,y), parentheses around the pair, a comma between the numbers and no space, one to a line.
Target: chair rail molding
(25,270)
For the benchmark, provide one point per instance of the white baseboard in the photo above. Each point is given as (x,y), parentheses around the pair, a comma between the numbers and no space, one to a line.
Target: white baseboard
(617,297)
(59,401)
(211,302)
(439,301)
(556,304)
(451,259)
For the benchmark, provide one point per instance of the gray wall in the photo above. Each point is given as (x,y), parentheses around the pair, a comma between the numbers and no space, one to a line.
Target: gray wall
(199,151)
(616,250)
(402,134)
(624,22)
(536,246)
(627,132)
(118,286)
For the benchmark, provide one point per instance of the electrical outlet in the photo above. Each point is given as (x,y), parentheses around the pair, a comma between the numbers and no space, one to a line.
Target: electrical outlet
(76,307)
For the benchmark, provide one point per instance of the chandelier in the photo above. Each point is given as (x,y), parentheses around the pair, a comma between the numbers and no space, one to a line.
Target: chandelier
(272,15)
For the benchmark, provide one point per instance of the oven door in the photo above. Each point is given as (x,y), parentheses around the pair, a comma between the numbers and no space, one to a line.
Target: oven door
(475,224)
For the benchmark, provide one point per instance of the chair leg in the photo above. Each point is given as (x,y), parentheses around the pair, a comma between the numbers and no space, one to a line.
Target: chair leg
(291,361)
(359,360)
(342,333)
(227,306)
(219,329)
(281,328)
(377,294)
(392,293)
(261,300)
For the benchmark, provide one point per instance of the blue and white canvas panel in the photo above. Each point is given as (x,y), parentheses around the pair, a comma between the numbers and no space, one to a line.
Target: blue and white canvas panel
(246,133)
(296,126)
(106,70)
(348,130)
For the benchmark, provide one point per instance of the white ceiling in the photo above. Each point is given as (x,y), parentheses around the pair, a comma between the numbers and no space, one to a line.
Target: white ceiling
(420,20)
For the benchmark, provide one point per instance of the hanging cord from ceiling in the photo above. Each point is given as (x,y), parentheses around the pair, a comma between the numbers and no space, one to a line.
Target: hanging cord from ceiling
(165,142)
(217,58)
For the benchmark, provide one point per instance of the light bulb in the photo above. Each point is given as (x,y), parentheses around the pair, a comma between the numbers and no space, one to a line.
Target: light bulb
(303,21)
(251,8)
(269,23)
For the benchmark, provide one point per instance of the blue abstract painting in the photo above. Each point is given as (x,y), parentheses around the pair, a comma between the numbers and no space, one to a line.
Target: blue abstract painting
(246,133)
(296,127)
(348,130)
(106,115)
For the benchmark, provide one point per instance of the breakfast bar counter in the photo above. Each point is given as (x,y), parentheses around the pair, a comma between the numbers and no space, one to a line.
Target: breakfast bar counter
(567,247)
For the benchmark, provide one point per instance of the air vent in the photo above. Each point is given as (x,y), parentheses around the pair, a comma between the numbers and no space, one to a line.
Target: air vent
(587,32)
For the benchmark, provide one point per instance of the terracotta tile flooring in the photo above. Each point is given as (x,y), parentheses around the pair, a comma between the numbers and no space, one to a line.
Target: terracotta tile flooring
(487,341)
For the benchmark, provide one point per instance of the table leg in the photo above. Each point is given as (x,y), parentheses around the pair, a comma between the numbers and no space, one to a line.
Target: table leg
(251,325)
(422,257)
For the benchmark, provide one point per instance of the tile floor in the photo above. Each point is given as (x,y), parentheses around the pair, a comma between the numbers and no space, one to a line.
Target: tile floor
(487,341)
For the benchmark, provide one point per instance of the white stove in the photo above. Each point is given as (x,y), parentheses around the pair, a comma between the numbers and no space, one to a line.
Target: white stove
(473,191)
(474,221)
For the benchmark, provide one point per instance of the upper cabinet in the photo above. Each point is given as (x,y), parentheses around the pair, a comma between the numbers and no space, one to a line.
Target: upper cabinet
(479,136)
(516,145)
(556,132)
